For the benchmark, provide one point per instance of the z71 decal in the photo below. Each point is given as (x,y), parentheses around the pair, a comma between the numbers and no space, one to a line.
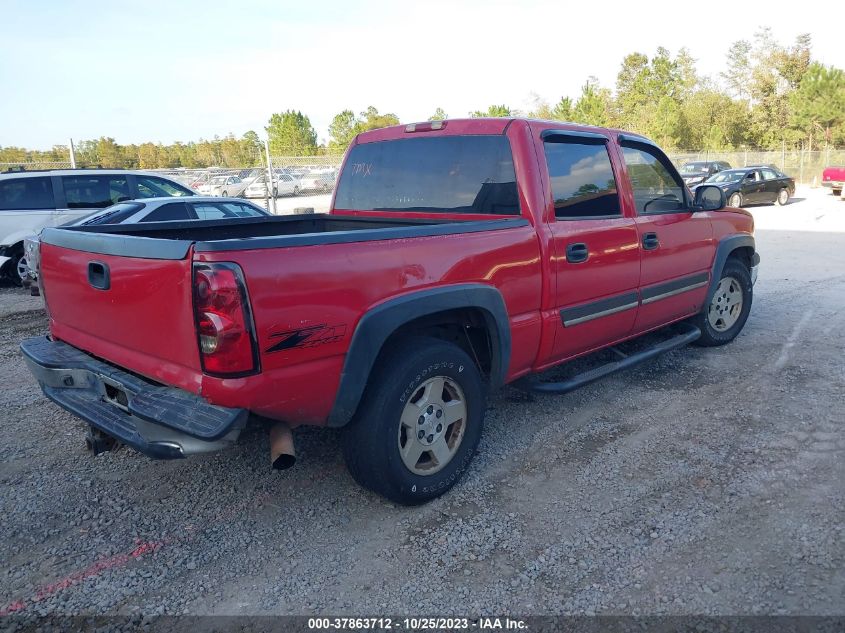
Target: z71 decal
(307,337)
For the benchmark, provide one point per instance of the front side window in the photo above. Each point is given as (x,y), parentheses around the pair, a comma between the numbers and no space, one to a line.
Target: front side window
(582,180)
(152,187)
(655,188)
(26,194)
(95,191)
(446,174)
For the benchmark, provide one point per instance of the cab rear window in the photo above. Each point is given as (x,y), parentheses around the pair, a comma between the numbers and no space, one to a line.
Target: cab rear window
(447,174)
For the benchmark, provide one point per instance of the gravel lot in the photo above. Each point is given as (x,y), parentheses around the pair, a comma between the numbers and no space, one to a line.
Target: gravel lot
(709,481)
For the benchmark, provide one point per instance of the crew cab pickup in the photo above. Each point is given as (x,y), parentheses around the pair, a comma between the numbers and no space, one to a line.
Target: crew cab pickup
(457,256)
(834,178)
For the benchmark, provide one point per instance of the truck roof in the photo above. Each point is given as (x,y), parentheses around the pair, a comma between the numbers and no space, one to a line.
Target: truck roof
(485,125)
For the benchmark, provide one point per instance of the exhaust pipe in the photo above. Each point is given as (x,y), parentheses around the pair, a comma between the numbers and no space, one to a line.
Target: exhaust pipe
(282,455)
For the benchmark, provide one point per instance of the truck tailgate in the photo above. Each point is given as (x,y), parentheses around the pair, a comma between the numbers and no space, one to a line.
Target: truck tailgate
(133,311)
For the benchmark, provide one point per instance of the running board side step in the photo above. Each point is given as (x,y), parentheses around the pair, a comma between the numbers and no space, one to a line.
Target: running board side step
(685,338)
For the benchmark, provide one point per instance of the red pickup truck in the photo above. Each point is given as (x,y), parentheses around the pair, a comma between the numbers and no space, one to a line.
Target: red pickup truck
(458,256)
(834,178)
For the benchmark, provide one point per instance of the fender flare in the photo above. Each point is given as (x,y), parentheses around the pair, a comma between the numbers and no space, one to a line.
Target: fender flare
(726,246)
(380,322)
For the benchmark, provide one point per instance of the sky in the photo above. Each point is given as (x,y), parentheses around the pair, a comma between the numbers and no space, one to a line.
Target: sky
(187,69)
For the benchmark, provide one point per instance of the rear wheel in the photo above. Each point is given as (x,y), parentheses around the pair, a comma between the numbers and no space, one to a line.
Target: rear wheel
(224,194)
(419,422)
(724,317)
(783,197)
(735,200)
(296,191)
(836,192)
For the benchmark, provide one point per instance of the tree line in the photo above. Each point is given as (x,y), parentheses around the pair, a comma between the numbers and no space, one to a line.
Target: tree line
(769,96)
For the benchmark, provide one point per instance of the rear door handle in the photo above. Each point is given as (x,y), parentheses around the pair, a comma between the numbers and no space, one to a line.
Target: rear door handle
(650,241)
(577,253)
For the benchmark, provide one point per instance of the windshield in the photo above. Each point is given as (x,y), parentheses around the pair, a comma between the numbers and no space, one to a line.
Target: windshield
(693,168)
(727,176)
(458,174)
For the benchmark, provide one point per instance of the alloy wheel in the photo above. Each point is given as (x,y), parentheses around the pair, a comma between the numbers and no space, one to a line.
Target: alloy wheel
(432,426)
(726,305)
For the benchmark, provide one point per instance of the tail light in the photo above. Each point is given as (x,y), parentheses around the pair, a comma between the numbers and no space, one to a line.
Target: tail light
(225,330)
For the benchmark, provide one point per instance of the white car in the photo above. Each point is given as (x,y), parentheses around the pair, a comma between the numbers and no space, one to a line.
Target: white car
(222,186)
(30,201)
(318,181)
(283,185)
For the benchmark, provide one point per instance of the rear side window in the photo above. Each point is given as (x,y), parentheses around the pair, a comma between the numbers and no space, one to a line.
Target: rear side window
(95,192)
(447,174)
(26,194)
(152,187)
(219,210)
(655,188)
(582,180)
(169,212)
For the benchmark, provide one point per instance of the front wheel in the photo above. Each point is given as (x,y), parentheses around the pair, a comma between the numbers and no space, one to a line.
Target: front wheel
(419,422)
(724,317)
(735,201)
(17,268)
(783,197)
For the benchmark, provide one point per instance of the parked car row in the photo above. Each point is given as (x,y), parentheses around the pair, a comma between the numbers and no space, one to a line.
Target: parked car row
(252,183)
(753,184)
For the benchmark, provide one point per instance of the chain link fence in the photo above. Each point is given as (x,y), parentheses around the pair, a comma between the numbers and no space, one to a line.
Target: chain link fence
(805,167)
(318,173)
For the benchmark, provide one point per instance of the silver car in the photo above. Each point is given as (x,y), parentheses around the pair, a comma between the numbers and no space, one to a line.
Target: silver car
(174,209)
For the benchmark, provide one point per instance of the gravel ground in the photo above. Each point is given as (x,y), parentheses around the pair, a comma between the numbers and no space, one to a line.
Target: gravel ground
(709,481)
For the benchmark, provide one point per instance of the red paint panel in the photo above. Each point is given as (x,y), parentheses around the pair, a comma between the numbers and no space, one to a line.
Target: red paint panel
(143,322)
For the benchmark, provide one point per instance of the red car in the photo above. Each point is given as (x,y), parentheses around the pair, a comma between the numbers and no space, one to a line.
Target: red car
(834,178)
(458,256)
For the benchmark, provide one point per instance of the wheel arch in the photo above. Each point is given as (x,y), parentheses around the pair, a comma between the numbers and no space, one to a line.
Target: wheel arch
(442,312)
(741,247)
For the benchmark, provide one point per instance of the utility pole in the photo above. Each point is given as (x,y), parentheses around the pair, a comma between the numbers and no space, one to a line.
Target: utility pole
(72,156)
(270,176)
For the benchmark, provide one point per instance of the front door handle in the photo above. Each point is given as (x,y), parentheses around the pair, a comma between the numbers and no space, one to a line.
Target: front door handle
(650,241)
(577,253)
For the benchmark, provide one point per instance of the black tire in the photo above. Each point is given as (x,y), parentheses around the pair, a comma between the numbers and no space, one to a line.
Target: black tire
(735,200)
(370,441)
(296,191)
(783,197)
(710,336)
(11,268)
(836,192)
(224,194)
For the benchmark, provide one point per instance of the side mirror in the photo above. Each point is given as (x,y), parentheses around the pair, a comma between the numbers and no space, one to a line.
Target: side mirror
(709,198)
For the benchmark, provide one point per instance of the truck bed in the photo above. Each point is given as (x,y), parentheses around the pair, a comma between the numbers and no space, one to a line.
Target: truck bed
(172,240)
